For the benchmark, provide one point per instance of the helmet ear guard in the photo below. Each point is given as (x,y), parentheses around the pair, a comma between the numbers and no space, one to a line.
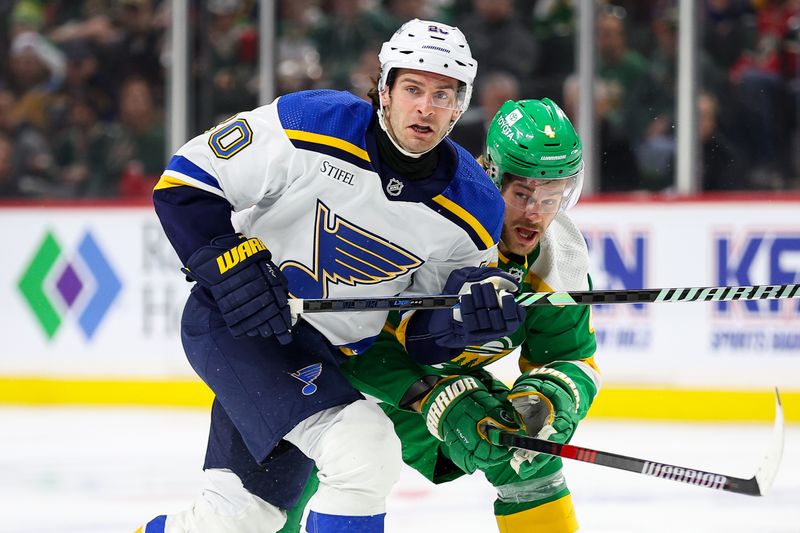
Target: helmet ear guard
(534,139)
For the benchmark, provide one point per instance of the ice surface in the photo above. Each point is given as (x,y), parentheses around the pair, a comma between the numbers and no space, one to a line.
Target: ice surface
(108,470)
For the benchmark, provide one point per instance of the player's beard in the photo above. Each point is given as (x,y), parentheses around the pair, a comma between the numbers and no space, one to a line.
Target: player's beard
(520,239)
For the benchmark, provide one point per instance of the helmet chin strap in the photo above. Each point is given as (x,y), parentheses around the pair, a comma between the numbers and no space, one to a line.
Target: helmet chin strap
(400,149)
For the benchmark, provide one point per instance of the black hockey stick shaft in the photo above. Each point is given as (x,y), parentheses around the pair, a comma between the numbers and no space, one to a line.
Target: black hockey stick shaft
(757,485)
(528,299)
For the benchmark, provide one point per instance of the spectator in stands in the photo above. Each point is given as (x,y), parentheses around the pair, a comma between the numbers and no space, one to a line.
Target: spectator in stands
(136,50)
(137,153)
(81,151)
(25,16)
(657,146)
(499,41)
(759,77)
(626,73)
(728,29)
(298,58)
(90,22)
(364,74)
(618,168)
(31,160)
(495,90)
(399,11)
(36,72)
(554,24)
(8,176)
(347,29)
(82,79)
(228,78)
(721,167)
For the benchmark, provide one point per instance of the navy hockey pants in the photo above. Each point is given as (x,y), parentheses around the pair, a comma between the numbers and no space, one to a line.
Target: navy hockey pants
(263,389)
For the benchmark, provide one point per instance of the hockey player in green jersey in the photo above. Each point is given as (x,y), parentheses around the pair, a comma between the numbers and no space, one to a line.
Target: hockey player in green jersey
(534,156)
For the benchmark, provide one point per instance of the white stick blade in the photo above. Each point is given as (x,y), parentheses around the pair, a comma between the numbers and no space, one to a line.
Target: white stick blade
(772,461)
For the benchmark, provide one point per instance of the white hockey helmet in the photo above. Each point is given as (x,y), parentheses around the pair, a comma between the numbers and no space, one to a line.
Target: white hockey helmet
(431,47)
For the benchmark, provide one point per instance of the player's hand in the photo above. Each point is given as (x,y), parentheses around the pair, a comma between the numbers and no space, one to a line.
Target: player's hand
(249,289)
(456,409)
(548,410)
(483,315)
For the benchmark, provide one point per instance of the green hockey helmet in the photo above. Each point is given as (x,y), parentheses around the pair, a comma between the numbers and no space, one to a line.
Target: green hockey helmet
(534,140)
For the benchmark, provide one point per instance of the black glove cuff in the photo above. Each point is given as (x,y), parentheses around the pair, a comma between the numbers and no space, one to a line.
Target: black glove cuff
(418,390)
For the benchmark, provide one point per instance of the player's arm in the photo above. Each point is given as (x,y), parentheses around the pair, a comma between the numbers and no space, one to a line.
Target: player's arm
(559,378)
(484,314)
(386,372)
(212,174)
(455,407)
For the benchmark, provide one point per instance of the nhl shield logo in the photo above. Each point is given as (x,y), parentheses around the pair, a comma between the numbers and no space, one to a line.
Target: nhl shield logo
(394,187)
(517,273)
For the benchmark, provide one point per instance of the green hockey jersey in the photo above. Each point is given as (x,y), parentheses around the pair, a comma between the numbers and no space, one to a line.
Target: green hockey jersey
(558,338)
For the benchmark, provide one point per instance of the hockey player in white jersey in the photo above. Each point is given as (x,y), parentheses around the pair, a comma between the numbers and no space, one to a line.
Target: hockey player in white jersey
(334,197)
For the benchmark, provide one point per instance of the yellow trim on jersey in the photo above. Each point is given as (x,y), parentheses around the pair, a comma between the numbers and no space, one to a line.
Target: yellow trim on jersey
(537,284)
(506,260)
(553,517)
(467,217)
(169,181)
(400,330)
(327,140)
(525,365)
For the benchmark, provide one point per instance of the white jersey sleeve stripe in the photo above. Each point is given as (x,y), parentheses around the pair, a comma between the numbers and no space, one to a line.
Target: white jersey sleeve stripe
(182,166)
(588,370)
(174,179)
(181,171)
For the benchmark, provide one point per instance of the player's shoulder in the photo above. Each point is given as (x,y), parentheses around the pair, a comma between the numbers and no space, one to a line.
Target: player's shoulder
(563,260)
(473,191)
(327,113)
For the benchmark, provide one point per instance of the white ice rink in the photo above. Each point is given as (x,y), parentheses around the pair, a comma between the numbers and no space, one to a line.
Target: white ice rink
(104,470)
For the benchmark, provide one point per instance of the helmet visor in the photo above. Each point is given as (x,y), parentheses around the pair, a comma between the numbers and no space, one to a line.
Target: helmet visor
(542,196)
(440,97)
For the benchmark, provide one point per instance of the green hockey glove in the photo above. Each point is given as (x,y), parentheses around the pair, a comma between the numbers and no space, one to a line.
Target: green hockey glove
(455,410)
(546,400)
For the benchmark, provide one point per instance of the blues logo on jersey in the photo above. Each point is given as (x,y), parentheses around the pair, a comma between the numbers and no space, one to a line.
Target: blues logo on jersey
(345,253)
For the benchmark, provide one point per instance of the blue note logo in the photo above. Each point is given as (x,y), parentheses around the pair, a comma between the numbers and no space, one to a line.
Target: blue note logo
(345,253)
(307,375)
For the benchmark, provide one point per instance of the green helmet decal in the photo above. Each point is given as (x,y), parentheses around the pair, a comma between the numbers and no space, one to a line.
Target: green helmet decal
(534,139)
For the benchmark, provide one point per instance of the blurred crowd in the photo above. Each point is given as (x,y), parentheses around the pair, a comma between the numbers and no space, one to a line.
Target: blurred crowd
(82,82)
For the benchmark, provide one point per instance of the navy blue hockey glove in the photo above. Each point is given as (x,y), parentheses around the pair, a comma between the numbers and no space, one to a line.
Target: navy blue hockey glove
(482,315)
(249,289)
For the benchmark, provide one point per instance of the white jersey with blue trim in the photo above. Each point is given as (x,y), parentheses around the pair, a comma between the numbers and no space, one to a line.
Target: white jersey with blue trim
(301,174)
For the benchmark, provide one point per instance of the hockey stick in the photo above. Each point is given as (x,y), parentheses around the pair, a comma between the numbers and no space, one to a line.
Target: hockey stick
(758,485)
(528,299)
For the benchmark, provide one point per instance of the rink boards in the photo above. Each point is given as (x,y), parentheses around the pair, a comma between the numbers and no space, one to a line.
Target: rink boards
(92,298)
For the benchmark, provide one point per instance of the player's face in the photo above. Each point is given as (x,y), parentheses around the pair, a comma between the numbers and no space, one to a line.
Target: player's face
(419,108)
(531,206)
